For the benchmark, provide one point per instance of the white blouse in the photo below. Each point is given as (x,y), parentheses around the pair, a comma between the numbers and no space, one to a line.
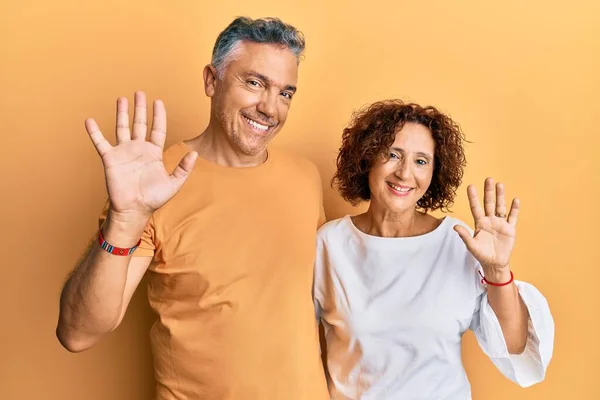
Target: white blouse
(395,309)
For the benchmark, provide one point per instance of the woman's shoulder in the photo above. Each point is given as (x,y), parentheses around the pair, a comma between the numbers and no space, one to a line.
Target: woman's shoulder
(334,228)
(451,222)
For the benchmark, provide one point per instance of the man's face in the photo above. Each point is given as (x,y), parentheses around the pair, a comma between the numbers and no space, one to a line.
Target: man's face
(252,98)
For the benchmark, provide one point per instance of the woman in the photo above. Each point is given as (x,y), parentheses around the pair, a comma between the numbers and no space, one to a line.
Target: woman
(396,287)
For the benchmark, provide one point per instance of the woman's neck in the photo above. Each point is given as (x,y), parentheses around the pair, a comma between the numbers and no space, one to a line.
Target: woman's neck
(378,221)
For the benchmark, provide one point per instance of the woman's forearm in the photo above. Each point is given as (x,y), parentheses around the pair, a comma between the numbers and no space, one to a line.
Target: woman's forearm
(510,310)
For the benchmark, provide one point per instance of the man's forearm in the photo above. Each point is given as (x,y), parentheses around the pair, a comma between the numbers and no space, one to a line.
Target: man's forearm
(92,299)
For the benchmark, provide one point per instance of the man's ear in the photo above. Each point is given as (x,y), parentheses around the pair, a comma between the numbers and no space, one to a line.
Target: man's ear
(210,80)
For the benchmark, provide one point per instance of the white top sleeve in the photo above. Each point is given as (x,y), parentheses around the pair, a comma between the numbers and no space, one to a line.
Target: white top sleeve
(529,367)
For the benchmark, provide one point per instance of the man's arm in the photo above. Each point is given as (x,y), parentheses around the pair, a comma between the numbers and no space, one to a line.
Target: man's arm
(97,293)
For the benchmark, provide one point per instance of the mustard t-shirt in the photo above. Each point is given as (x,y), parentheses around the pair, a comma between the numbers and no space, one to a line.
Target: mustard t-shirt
(231,282)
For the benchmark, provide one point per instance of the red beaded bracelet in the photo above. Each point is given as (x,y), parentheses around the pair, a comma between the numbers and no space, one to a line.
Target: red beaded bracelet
(483,280)
(119,251)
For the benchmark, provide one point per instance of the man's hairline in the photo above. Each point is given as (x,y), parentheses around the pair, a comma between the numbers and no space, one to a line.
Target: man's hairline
(232,54)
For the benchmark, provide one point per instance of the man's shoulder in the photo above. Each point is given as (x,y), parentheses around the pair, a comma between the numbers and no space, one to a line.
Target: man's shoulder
(294,162)
(289,156)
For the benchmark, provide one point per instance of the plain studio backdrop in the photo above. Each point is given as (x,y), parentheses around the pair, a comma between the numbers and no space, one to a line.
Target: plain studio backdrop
(521,78)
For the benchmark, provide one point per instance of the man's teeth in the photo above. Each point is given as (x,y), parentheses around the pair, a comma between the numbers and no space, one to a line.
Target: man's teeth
(256,125)
(398,188)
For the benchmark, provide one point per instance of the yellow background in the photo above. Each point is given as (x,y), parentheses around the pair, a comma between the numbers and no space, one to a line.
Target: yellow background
(522,78)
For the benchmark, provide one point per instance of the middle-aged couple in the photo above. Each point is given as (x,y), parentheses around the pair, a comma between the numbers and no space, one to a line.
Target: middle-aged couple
(226,230)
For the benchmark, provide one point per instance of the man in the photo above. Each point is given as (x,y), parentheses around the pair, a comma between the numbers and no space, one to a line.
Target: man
(227,239)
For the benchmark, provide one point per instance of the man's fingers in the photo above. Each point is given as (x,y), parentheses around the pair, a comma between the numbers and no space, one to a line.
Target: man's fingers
(140,118)
(122,128)
(159,124)
(98,139)
(183,170)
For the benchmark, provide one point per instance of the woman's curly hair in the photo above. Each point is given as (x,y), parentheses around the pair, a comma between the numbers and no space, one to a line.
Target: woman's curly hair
(371,133)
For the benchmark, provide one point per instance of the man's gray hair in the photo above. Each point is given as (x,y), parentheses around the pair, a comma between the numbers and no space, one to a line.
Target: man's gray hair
(263,30)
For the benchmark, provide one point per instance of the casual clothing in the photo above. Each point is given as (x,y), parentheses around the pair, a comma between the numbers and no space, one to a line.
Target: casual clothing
(231,282)
(395,309)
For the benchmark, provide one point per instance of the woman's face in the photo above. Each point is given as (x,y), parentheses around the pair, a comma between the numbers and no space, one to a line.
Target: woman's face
(399,182)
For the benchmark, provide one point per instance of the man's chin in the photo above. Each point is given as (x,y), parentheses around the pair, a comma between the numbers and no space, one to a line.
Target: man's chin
(254,152)
(252,149)
(256,146)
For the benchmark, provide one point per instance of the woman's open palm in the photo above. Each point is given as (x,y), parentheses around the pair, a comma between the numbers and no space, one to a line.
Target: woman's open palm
(495,232)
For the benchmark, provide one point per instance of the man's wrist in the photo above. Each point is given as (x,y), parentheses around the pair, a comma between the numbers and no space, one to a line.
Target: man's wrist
(123,231)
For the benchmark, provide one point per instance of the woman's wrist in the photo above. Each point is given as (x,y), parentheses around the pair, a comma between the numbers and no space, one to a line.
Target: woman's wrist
(497,275)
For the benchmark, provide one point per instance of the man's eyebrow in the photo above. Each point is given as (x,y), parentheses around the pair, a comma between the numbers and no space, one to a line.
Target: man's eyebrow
(268,80)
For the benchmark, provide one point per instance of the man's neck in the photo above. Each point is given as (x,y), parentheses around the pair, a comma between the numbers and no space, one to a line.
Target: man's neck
(214,146)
